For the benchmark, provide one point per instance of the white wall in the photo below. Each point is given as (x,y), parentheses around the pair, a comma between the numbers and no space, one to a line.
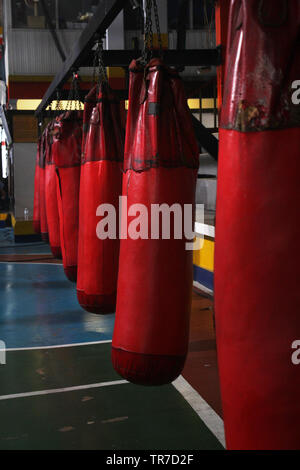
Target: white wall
(24,159)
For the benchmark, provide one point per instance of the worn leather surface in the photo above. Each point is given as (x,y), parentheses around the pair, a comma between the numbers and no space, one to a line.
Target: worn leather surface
(263,59)
(36,200)
(51,200)
(42,162)
(155,275)
(101,183)
(257,254)
(67,156)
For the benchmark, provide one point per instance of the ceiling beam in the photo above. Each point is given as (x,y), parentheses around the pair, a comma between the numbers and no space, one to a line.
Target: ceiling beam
(103,17)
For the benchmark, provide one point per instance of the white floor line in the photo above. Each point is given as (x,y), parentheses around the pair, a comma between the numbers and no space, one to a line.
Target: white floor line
(202,287)
(62,390)
(25,262)
(203,410)
(57,346)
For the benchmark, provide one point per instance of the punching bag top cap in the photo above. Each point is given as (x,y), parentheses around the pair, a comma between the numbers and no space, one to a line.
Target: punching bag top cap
(157,101)
(104,129)
(43,147)
(49,139)
(67,139)
(92,95)
(72,116)
(154,64)
(89,103)
(258,87)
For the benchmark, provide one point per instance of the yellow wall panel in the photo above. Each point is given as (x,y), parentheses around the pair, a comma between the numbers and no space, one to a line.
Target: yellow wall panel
(204,258)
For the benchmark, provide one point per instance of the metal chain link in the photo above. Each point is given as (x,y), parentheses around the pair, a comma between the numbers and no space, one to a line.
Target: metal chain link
(158,27)
(74,94)
(102,69)
(58,106)
(96,55)
(148,39)
(98,61)
(148,34)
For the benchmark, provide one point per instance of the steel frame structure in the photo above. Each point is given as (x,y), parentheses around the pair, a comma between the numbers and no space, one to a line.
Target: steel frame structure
(82,55)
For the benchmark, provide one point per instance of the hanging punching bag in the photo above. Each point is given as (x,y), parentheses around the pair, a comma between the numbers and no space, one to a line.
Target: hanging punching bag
(150,339)
(90,102)
(36,199)
(257,259)
(67,140)
(51,198)
(43,215)
(100,183)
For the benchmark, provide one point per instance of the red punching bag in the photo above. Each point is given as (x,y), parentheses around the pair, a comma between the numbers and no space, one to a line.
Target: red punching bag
(67,140)
(90,102)
(150,339)
(36,200)
(257,259)
(43,214)
(100,183)
(51,199)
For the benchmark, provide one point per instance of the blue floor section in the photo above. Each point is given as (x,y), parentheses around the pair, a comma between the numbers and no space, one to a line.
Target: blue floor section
(25,249)
(38,307)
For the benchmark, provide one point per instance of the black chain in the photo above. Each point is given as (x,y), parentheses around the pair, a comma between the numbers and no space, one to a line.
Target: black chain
(102,69)
(58,106)
(98,60)
(74,94)
(148,34)
(158,27)
(148,40)
(96,55)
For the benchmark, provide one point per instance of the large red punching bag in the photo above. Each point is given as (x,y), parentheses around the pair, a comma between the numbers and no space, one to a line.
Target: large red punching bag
(43,214)
(257,259)
(51,198)
(100,183)
(36,199)
(67,140)
(90,102)
(150,339)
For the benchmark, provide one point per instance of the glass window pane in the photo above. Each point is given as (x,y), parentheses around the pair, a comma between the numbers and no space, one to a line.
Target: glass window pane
(72,14)
(29,13)
(75,14)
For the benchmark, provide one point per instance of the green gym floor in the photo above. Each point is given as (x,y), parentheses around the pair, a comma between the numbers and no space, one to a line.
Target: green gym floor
(58,389)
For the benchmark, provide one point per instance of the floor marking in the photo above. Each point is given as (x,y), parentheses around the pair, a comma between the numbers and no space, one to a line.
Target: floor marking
(62,390)
(203,288)
(71,345)
(27,262)
(203,410)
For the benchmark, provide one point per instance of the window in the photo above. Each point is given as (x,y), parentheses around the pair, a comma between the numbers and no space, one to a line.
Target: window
(199,14)
(65,14)
(29,13)
(75,14)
